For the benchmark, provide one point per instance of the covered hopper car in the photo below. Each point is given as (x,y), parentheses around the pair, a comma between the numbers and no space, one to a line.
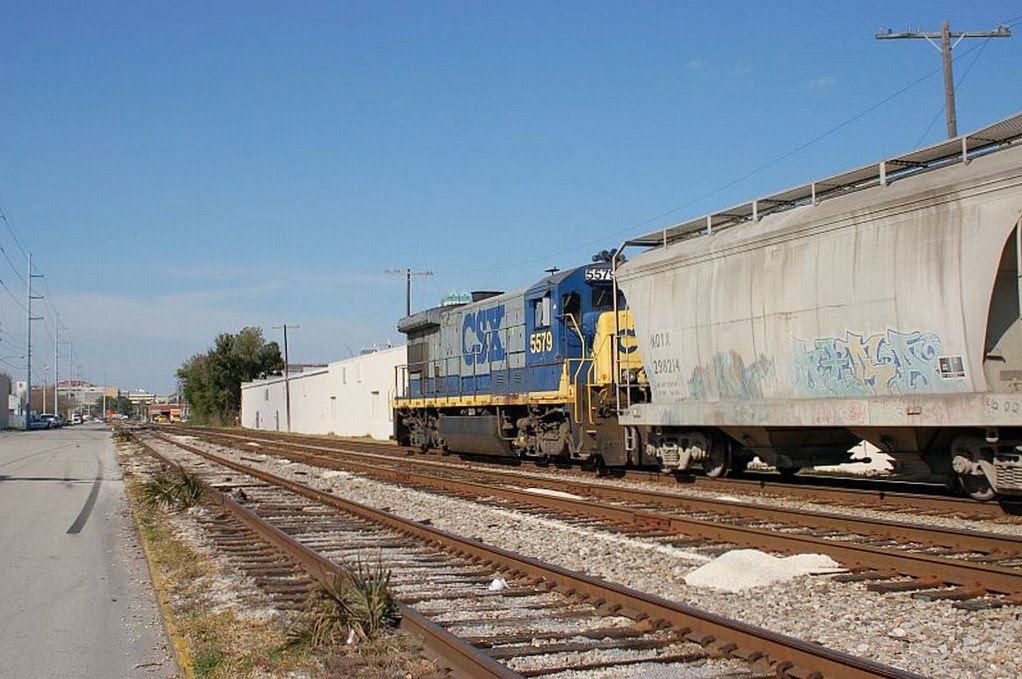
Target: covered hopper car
(882,304)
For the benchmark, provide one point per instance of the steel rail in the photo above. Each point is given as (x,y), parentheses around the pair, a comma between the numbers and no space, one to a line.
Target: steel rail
(464,659)
(988,543)
(975,576)
(822,490)
(732,638)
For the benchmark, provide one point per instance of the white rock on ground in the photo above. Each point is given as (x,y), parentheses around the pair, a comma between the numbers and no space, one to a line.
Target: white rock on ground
(742,569)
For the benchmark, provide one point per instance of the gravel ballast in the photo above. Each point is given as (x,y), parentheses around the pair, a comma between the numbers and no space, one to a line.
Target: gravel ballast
(929,638)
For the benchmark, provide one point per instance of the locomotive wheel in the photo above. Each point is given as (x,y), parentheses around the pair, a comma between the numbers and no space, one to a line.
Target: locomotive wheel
(718,461)
(598,465)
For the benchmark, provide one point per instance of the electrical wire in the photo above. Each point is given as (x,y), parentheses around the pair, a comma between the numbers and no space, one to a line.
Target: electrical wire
(7,223)
(723,187)
(958,84)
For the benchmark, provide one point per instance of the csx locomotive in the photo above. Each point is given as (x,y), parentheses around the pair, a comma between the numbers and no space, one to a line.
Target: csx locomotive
(532,373)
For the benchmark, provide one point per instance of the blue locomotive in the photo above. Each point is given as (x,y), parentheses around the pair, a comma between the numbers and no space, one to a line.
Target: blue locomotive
(537,372)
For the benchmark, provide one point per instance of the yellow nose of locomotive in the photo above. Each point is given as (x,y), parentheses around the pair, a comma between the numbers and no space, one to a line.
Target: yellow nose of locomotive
(624,351)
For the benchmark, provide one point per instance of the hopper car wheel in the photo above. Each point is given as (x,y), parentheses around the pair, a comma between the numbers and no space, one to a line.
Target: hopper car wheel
(599,465)
(977,487)
(788,473)
(717,461)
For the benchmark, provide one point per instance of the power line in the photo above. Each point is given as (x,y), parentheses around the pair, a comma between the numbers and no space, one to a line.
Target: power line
(719,189)
(7,223)
(13,296)
(961,80)
(13,268)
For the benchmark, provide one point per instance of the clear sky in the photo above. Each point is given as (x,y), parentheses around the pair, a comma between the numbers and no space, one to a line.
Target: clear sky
(188,168)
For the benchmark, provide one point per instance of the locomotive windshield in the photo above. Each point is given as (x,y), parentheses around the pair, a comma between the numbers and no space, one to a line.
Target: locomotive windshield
(603,299)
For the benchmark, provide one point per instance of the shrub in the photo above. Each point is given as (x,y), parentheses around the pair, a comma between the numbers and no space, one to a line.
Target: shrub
(171,489)
(354,602)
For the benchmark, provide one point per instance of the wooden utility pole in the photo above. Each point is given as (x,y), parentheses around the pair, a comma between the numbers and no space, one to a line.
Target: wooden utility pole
(287,374)
(945,48)
(407,273)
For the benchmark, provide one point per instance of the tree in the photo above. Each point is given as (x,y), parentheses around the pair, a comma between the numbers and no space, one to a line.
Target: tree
(212,381)
(119,405)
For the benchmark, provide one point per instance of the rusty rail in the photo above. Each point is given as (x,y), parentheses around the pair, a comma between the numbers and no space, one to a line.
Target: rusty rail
(821,489)
(731,638)
(973,575)
(457,655)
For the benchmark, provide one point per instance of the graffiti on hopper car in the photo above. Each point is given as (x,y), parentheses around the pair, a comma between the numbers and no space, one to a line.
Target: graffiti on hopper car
(728,377)
(887,364)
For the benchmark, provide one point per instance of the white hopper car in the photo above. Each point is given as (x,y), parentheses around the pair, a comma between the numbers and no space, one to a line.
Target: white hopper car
(880,305)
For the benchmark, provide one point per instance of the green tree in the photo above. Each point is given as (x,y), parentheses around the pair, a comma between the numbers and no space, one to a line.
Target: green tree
(212,381)
(118,405)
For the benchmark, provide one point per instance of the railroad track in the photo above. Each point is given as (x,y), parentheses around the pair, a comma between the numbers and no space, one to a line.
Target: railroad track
(549,619)
(899,496)
(976,570)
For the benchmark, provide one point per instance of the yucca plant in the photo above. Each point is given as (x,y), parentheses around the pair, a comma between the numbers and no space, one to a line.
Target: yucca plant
(353,604)
(171,489)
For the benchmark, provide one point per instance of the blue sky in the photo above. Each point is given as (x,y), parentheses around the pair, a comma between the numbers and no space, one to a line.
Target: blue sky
(183,169)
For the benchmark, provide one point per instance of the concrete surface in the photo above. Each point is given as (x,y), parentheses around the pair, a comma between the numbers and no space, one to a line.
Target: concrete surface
(75,595)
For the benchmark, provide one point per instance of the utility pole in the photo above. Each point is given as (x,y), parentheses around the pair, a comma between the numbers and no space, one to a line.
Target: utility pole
(56,364)
(28,338)
(56,368)
(407,273)
(945,48)
(287,376)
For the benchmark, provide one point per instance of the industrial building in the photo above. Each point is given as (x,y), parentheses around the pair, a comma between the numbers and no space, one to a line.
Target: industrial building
(346,398)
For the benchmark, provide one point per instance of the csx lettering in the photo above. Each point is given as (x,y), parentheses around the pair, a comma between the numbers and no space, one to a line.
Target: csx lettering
(540,342)
(480,336)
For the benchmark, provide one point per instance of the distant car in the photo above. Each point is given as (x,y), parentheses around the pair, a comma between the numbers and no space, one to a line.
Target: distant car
(76,418)
(52,421)
(37,423)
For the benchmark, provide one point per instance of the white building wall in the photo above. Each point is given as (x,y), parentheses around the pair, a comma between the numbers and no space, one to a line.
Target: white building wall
(364,386)
(310,404)
(264,403)
(348,398)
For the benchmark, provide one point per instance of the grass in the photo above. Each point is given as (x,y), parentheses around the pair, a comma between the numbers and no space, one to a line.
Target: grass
(172,489)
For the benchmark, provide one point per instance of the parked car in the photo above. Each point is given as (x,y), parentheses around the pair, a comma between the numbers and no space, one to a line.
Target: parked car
(53,421)
(37,423)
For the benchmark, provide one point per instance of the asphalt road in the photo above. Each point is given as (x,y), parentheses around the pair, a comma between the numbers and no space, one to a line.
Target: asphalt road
(75,595)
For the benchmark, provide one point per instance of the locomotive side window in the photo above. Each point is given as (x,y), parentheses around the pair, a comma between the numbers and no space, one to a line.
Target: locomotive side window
(541,312)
